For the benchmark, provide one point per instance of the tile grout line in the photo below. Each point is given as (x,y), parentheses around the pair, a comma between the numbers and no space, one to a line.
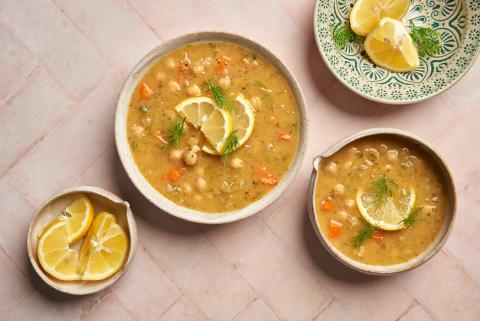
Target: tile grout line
(19,303)
(332,299)
(245,308)
(170,306)
(137,12)
(460,265)
(407,309)
(21,86)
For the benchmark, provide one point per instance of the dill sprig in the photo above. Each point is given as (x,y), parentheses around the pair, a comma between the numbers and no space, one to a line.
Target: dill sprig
(175,134)
(427,40)
(231,145)
(384,191)
(343,35)
(411,218)
(219,96)
(365,234)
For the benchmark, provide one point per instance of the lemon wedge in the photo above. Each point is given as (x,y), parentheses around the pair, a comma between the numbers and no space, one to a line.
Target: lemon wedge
(78,217)
(54,252)
(196,109)
(104,249)
(243,118)
(390,46)
(390,214)
(366,14)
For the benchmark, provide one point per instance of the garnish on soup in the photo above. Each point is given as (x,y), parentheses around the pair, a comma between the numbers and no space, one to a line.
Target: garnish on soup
(237,112)
(369,196)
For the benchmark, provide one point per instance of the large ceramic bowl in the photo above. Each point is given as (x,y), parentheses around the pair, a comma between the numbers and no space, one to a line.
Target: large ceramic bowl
(458,22)
(139,180)
(437,242)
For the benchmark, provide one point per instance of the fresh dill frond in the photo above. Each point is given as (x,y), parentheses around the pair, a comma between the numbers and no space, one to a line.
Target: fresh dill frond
(175,134)
(143,108)
(411,218)
(231,145)
(384,191)
(365,234)
(343,35)
(427,40)
(219,96)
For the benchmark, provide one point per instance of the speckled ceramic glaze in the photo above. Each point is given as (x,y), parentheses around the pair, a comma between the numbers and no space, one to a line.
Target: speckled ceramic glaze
(458,23)
(139,180)
(437,243)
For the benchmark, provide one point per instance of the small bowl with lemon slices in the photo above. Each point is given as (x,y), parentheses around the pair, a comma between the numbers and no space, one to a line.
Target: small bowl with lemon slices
(398,52)
(211,127)
(382,201)
(81,240)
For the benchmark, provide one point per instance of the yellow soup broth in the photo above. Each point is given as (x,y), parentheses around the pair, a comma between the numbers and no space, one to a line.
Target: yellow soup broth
(353,170)
(213,184)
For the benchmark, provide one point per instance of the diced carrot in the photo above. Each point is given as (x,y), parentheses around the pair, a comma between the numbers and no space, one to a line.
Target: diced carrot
(378,236)
(221,66)
(174,174)
(181,79)
(145,91)
(268,179)
(327,204)
(285,136)
(335,228)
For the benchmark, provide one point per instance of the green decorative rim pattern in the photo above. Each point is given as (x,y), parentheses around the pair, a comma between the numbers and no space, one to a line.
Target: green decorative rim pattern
(457,21)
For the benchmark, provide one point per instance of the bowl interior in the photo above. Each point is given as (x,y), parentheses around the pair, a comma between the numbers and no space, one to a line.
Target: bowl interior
(134,173)
(49,211)
(442,234)
(457,21)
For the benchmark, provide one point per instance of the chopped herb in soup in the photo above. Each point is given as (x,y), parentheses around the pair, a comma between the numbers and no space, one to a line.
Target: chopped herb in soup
(380,200)
(213,126)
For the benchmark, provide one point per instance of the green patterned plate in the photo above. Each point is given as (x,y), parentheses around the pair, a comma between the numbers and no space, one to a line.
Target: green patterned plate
(458,23)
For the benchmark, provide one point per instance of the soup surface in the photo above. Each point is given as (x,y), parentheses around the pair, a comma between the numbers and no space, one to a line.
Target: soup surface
(175,155)
(380,200)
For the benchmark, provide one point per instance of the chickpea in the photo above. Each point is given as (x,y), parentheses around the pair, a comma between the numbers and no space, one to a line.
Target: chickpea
(342,214)
(388,167)
(138,130)
(192,141)
(194,90)
(350,203)
(199,70)
(331,168)
(170,63)
(392,155)
(197,197)
(173,86)
(236,162)
(339,190)
(187,188)
(175,154)
(201,184)
(224,82)
(373,152)
(190,158)
(160,77)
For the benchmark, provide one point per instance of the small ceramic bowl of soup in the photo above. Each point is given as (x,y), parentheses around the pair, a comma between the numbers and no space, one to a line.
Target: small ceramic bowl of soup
(211,127)
(382,201)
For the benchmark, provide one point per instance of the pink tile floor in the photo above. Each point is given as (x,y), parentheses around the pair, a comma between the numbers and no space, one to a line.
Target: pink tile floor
(62,65)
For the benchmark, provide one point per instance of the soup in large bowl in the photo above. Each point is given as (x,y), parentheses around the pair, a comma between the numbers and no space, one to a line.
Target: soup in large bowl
(214,126)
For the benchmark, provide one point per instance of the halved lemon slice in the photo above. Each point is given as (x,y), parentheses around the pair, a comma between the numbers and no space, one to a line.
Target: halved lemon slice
(196,109)
(243,118)
(217,128)
(366,14)
(104,250)
(79,217)
(389,215)
(390,46)
(54,252)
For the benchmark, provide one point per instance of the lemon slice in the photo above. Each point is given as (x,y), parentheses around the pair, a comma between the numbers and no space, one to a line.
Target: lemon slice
(104,250)
(366,14)
(390,214)
(54,252)
(79,217)
(196,109)
(217,128)
(243,118)
(390,46)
